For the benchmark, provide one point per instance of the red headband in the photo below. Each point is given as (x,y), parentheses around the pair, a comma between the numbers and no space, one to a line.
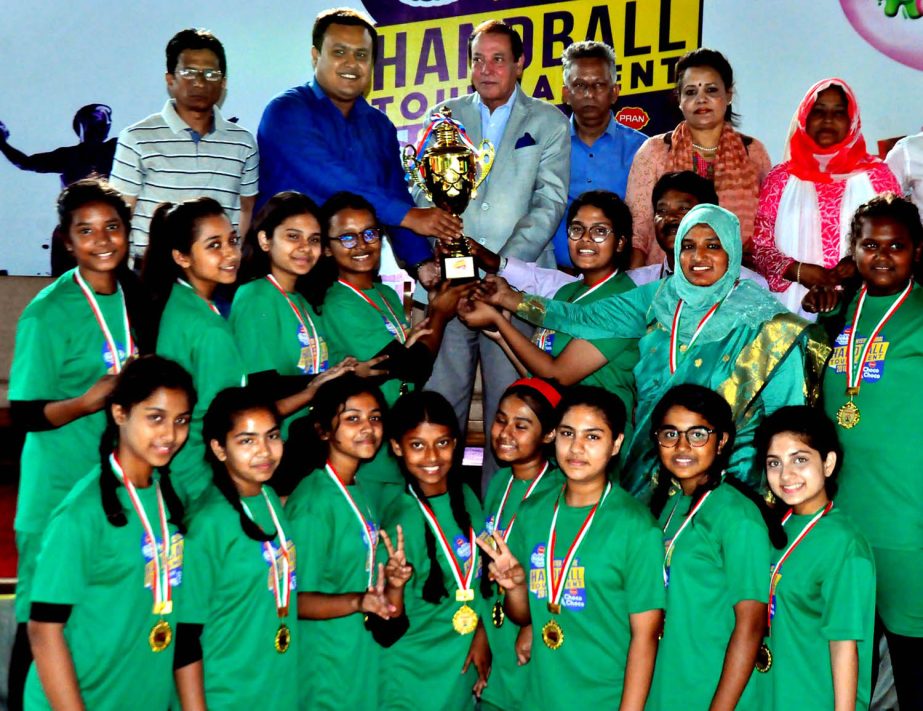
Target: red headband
(546,389)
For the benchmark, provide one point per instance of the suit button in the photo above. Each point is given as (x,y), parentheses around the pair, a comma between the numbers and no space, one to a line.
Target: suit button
(485,206)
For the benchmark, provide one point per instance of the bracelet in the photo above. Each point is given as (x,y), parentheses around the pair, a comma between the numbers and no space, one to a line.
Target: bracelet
(798,273)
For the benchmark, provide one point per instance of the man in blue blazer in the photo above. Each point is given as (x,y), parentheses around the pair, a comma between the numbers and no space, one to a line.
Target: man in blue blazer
(516,210)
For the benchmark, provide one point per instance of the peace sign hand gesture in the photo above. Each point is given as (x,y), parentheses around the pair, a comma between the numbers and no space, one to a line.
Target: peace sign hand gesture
(374,602)
(504,569)
(397,570)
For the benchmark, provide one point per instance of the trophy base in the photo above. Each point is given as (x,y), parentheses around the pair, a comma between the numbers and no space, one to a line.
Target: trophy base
(458,268)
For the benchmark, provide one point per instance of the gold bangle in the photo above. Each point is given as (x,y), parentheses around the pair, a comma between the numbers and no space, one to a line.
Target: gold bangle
(798,273)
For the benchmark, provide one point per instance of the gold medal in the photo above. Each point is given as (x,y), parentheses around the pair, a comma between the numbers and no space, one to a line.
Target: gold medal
(465,620)
(160,637)
(763,659)
(552,634)
(283,639)
(497,615)
(554,608)
(847,416)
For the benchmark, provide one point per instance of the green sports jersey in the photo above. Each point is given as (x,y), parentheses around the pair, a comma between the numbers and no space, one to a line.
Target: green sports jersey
(881,487)
(202,342)
(617,374)
(271,337)
(507,679)
(825,592)
(720,558)
(105,573)
(229,590)
(60,351)
(334,555)
(423,668)
(616,573)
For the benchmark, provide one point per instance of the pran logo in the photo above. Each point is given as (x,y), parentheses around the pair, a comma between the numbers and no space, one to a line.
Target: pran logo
(633,116)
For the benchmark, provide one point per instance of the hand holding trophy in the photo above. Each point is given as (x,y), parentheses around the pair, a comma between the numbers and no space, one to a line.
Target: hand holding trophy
(448,168)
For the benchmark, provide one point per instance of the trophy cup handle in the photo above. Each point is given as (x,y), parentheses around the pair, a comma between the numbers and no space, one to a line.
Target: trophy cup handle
(411,167)
(485,161)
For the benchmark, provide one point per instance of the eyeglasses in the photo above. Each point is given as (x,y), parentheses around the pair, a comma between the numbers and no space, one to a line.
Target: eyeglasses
(597,87)
(351,239)
(695,436)
(598,233)
(190,74)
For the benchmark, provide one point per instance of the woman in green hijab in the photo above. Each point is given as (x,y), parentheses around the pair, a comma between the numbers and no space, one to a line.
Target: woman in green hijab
(704,325)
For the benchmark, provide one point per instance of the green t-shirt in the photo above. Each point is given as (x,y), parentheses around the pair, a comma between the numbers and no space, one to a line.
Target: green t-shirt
(270,336)
(60,352)
(334,559)
(507,679)
(105,573)
(826,592)
(881,488)
(424,666)
(229,590)
(202,342)
(720,558)
(615,573)
(617,375)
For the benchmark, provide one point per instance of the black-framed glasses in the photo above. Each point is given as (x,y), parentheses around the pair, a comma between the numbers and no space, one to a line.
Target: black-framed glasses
(351,239)
(190,74)
(696,436)
(597,233)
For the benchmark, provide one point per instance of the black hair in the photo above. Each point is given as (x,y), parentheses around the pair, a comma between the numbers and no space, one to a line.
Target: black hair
(331,398)
(685,181)
(173,227)
(137,300)
(194,39)
(408,413)
(715,410)
(544,411)
(811,426)
(890,207)
(608,404)
(139,379)
(616,211)
(498,27)
(342,16)
(713,59)
(217,424)
(326,270)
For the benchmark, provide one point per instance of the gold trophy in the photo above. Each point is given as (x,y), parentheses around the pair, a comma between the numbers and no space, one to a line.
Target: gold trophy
(449,174)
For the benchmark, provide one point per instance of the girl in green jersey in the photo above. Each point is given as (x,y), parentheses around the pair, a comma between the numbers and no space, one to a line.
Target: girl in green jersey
(237,615)
(715,558)
(818,651)
(444,601)
(112,554)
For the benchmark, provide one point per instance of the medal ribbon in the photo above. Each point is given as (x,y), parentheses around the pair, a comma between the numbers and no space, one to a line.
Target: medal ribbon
(210,304)
(301,317)
(281,591)
(597,285)
(463,581)
(117,362)
(853,379)
(788,551)
(689,517)
(396,322)
(366,526)
(506,495)
(543,334)
(161,583)
(556,589)
(674,329)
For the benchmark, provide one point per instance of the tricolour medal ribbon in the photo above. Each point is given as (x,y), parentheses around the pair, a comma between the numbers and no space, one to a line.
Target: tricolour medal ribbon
(853,374)
(281,574)
(556,587)
(668,555)
(462,580)
(214,308)
(394,321)
(674,329)
(367,527)
(506,495)
(117,362)
(312,333)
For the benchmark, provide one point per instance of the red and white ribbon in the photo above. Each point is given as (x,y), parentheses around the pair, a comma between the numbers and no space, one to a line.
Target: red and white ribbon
(210,304)
(854,375)
(364,522)
(506,494)
(395,322)
(462,580)
(281,574)
(301,316)
(668,554)
(117,362)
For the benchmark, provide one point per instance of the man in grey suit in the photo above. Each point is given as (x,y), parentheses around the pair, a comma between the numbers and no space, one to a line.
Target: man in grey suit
(516,210)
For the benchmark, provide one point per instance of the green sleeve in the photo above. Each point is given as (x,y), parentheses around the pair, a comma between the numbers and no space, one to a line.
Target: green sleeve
(201,554)
(62,569)
(848,592)
(644,573)
(786,386)
(35,361)
(745,544)
(249,320)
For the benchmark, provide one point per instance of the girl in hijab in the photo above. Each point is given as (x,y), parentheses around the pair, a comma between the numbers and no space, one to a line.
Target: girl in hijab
(801,235)
(704,325)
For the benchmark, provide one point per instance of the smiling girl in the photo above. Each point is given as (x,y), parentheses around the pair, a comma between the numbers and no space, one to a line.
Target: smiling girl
(193,248)
(112,554)
(822,584)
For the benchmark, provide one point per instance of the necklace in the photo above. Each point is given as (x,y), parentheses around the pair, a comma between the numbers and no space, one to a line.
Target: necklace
(705,149)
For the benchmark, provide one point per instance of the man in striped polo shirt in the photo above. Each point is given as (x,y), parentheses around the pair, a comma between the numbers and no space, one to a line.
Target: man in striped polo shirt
(187,150)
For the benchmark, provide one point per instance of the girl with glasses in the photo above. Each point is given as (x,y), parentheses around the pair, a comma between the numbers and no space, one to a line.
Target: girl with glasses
(715,558)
